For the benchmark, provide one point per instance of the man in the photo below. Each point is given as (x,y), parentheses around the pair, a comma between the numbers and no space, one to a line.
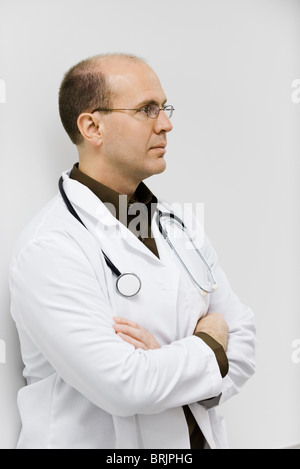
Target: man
(106,370)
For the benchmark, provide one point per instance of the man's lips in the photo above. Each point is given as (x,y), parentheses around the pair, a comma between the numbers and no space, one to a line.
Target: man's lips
(159,146)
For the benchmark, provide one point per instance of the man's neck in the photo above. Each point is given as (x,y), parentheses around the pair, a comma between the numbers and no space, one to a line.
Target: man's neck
(117,182)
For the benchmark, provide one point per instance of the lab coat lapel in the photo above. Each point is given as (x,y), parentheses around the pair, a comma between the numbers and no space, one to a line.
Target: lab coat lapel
(104,222)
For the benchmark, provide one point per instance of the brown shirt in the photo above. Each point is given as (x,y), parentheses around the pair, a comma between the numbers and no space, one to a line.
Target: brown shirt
(144,196)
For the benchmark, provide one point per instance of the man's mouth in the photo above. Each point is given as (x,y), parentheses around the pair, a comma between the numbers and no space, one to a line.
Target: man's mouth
(160,145)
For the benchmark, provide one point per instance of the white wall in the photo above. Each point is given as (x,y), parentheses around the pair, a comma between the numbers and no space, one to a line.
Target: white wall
(228,68)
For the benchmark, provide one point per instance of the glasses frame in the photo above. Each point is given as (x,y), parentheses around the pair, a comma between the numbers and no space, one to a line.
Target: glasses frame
(169,107)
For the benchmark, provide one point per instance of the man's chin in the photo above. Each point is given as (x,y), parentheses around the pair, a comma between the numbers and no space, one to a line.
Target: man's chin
(158,167)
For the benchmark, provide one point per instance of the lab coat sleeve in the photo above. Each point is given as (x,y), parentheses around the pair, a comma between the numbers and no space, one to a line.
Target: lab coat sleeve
(240,318)
(57,300)
(242,335)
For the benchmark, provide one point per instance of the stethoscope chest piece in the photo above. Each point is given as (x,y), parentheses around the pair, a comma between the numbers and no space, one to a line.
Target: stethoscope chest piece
(128,284)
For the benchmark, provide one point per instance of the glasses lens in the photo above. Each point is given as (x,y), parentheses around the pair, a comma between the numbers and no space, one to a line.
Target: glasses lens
(153,111)
(169,111)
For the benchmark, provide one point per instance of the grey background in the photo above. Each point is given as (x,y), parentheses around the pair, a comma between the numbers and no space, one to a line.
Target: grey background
(228,67)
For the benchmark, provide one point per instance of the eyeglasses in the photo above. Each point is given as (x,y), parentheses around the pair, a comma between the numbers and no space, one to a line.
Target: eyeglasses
(151,110)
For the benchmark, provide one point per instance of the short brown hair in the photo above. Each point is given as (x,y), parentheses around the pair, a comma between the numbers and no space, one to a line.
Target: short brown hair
(85,87)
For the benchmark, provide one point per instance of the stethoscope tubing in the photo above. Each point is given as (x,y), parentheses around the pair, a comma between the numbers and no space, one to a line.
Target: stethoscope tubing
(165,235)
(71,209)
(133,290)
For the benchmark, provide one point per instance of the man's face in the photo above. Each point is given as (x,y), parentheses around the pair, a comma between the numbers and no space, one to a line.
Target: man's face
(132,142)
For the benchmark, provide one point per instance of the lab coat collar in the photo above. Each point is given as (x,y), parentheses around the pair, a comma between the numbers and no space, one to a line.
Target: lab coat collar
(88,203)
(84,199)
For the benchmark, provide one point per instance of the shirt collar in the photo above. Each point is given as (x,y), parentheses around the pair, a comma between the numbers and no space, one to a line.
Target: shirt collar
(107,195)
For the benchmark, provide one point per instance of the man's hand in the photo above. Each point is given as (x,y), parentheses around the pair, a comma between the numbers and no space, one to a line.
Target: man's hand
(134,334)
(214,325)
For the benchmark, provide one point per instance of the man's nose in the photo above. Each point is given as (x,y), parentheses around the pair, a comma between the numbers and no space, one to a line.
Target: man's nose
(162,123)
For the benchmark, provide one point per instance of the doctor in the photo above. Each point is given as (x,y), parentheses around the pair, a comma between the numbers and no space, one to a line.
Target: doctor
(105,370)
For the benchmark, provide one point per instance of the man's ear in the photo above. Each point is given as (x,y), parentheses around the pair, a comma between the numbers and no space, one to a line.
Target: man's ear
(88,125)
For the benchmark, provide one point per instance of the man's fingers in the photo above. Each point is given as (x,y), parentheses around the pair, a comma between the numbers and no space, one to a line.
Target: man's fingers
(132,341)
(129,331)
(135,334)
(126,321)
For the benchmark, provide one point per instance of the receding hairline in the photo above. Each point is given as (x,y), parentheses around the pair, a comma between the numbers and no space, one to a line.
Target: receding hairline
(108,65)
(103,62)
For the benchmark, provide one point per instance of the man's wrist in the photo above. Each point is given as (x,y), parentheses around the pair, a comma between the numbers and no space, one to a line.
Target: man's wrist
(218,350)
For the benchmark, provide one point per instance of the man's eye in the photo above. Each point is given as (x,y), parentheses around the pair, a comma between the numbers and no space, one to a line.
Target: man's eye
(144,109)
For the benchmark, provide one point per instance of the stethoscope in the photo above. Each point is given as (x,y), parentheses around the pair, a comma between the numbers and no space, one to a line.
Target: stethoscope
(129,284)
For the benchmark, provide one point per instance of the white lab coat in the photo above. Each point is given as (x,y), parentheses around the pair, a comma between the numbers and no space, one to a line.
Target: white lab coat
(86,387)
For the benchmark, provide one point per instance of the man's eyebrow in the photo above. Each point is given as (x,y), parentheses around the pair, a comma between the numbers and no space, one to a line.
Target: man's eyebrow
(148,102)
